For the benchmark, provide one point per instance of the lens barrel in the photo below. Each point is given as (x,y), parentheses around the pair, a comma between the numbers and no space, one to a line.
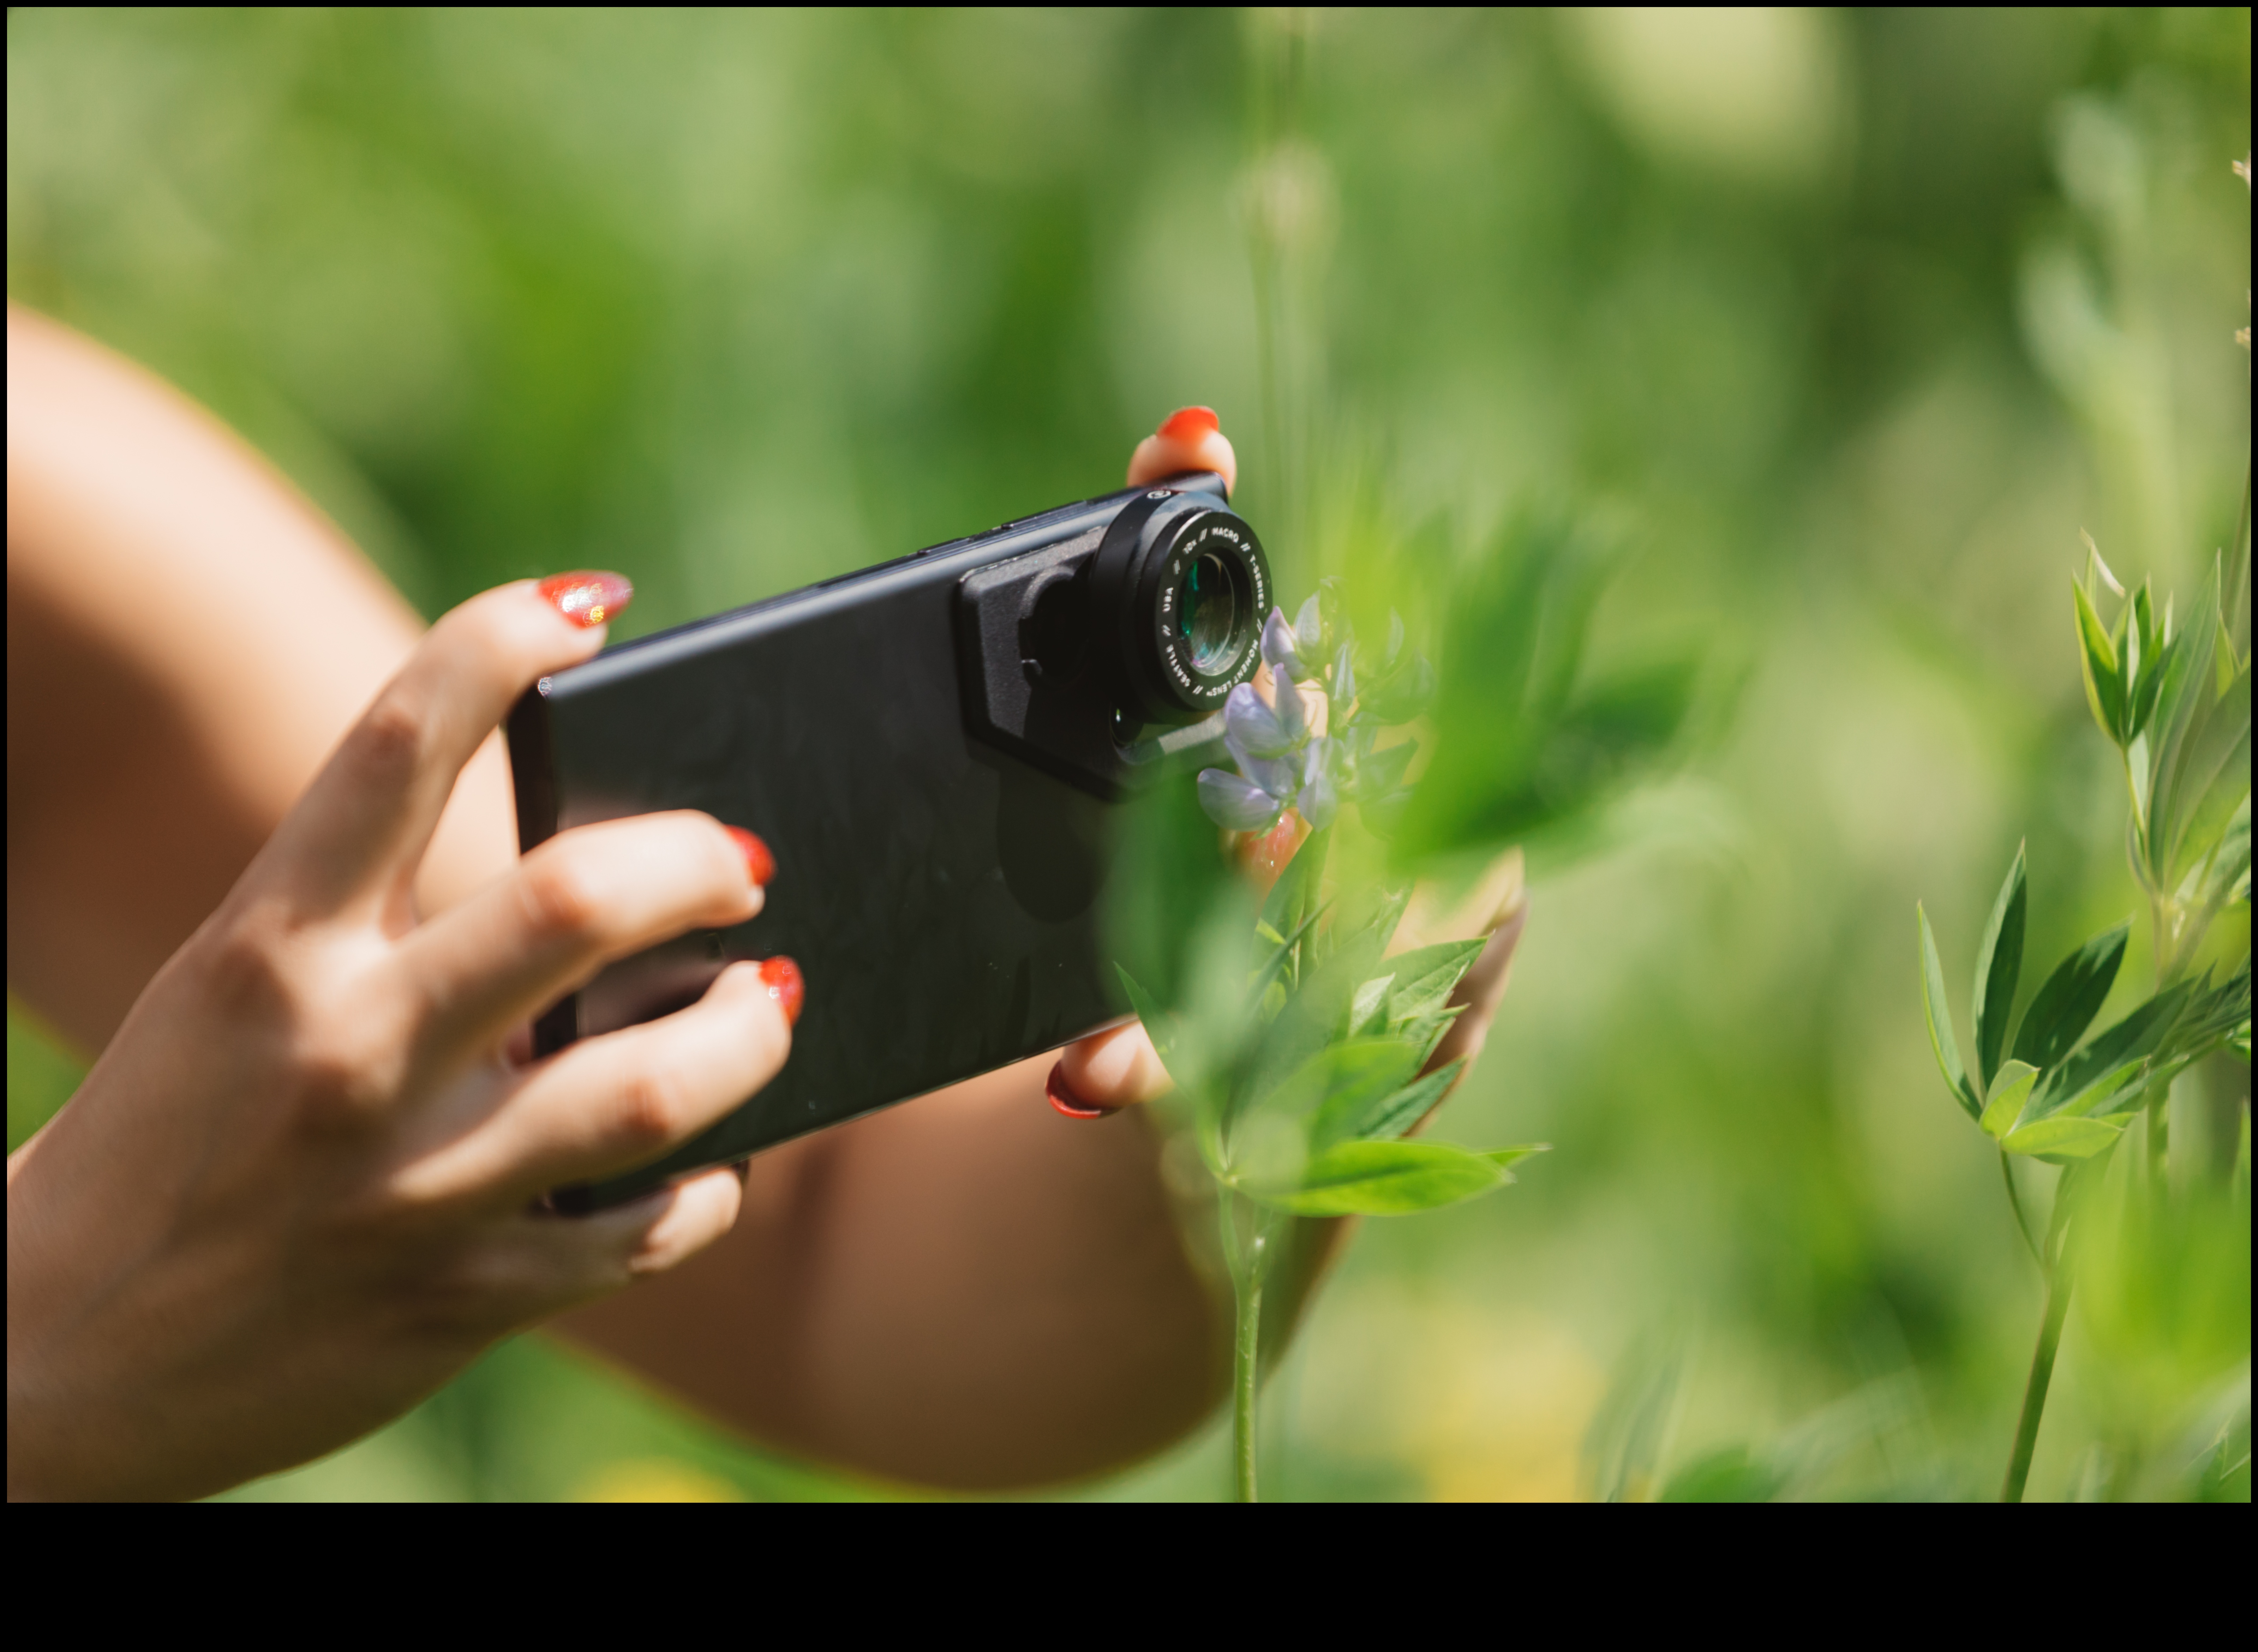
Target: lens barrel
(1179,589)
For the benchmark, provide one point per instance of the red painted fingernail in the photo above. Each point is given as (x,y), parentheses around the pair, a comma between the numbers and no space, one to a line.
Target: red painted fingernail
(760,865)
(782,977)
(1189,424)
(588,598)
(1065,1102)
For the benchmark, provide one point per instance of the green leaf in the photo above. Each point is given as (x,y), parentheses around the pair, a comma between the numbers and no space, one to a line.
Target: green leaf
(1733,1475)
(2073,995)
(2009,1091)
(2213,1013)
(1428,1031)
(1386,1179)
(1294,897)
(1426,977)
(2131,1040)
(1999,962)
(2225,876)
(2105,693)
(1941,1038)
(2136,625)
(1158,1023)
(1505,1157)
(2145,691)
(1398,1113)
(2184,713)
(1315,1015)
(2063,1137)
(1522,744)
(1368,1008)
(2099,1098)
(2195,794)
(1264,981)
(1340,1084)
(1387,915)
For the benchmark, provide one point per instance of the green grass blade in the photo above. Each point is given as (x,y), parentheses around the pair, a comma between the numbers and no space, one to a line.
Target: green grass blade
(1998,963)
(1941,1038)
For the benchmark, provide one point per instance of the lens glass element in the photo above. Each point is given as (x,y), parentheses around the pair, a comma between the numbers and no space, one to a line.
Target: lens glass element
(1208,614)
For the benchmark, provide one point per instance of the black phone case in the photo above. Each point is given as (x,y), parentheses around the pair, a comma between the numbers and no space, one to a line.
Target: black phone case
(938,883)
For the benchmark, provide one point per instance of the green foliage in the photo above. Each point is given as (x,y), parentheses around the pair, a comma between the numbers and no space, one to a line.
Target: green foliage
(1999,962)
(2073,995)
(1942,1037)
(1301,1075)
(1528,741)
(2176,704)
(2053,1080)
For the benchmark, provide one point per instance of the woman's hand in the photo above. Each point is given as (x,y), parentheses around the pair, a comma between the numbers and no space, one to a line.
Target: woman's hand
(302,1187)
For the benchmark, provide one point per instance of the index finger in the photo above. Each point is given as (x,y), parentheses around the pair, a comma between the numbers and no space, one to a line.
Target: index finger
(357,835)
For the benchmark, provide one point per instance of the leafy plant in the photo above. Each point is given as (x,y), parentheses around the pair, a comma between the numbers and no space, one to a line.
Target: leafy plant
(2175,701)
(1303,1052)
(1302,1061)
(1302,1069)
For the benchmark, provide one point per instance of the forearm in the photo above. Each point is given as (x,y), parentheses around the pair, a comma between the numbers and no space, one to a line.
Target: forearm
(187,640)
(965,1291)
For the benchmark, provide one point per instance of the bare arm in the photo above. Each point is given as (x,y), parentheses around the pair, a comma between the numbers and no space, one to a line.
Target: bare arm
(187,640)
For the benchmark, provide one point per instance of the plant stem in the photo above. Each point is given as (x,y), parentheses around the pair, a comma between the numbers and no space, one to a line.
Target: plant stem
(1246,1339)
(1247,1259)
(2034,1391)
(2015,1203)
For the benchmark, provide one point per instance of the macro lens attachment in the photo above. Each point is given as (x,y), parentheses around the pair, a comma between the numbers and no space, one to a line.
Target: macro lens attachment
(1178,592)
(1107,656)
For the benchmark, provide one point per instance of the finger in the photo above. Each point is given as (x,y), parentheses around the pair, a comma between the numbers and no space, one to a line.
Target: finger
(1117,1067)
(1188,439)
(612,1104)
(602,1253)
(541,1263)
(1479,993)
(583,898)
(361,828)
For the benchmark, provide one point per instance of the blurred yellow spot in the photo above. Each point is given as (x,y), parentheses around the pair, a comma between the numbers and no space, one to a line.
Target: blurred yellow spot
(654,1480)
(596,614)
(1483,1407)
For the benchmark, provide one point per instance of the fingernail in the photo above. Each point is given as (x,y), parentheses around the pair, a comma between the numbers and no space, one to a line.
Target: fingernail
(589,598)
(760,865)
(1065,1102)
(1189,424)
(782,977)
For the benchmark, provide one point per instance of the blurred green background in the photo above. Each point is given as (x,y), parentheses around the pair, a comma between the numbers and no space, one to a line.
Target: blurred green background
(1851,320)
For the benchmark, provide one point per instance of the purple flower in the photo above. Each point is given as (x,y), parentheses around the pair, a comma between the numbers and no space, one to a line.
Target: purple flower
(1317,799)
(1239,804)
(1282,763)
(1252,729)
(1281,650)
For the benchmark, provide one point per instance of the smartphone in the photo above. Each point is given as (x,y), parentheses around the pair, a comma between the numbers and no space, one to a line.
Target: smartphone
(935,749)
